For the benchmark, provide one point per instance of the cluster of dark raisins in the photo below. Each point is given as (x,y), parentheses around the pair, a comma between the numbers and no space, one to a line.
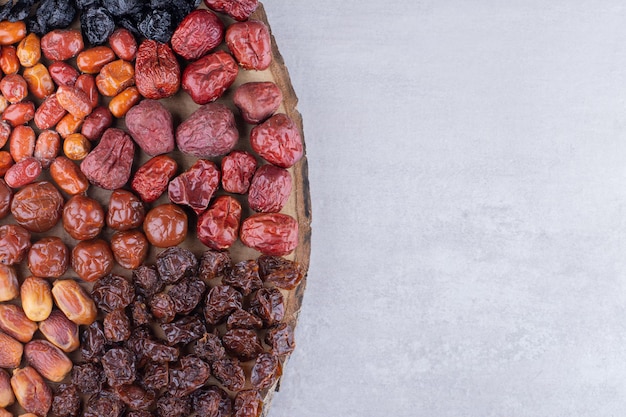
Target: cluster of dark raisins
(208,318)
(153,19)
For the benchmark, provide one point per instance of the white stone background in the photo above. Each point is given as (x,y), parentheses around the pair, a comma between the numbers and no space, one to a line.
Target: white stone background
(468,178)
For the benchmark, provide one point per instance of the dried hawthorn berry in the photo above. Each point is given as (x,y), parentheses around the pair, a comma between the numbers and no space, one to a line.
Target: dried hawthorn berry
(116,326)
(162,307)
(135,397)
(119,366)
(266,370)
(244,276)
(267,303)
(103,404)
(170,406)
(147,280)
(243,343)
(184,331)
(229,373)
(212,402)
(112,292)
(186,295)
(214,264)
(66,402)
(241,319)
(220,302)
(155,376)
(88,378)
(189,374)
(280,339)
(97,24)
(248,404)
(92,342)
(209,348)
(175,263)
(280,272)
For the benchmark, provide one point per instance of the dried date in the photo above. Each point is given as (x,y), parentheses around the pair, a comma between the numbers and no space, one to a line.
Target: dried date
(14,244)
(135,397)
(155,376)
(208,78)
(237,9)
(244,276)
(271,233)
(103,404)
(218,226)
(170,406)
(220,302)
(257,100)
(270,189)
(188,375)
(200,32)
(152,127)
(157,73)
(238,167)
(250,44)
(278,141)
(175,263)
(209,132)
(152,178)
(241,319)
(184,331)
(280,272)
(37,207)
(248,404)
(196,186)
(268,304)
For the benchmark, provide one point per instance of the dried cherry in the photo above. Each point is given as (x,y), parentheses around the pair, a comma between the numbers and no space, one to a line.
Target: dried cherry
(248,404)
(241,319)
(116,326)
(92,342)
(188,375)
(186,295)
(147,280)
(214,264)
(184,330)
(209,348)
(266,370)
(280,338)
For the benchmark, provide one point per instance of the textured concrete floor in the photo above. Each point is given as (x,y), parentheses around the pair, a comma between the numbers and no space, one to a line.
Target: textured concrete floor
(468,175)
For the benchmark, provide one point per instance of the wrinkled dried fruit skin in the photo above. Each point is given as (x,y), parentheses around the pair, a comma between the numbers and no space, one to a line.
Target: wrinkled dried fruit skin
(83,217)
(76,146)
(200,32)
(280,272)
(237,9)
(248,404)
(270,189)
(74,101)
(36,298)
(184,331)
(6,392)
(271,234)
(209,348)
(68,176)
(212,402)
(170,406)
(88,378)
(280,339)
(257,100)
(190,374)
(31,391)
(48,360)
(74,302)
(244,276)
(22,143)
(123,44)
(63,73)
(186,295)
(278,141)
(5,130)
(109,164)
(29,50)
(214,264)
(250,43)
(39,81)
(66,402)
(125,212)
(62,44)
(218,226)
(196,186)
(268,304)
(92,342)
(151,126)
(14,88)
(124,101)
(6,196)
(49,113)
(115,77)
(116,326)
(9,63)
(139,312)
(230,373)
(210,131)
(157,73)
(162,307)
(220,302)
(241,319)
(267,369)
(23,173)
(119,366)
(104,404)
(151,179)
(97,123)
(147,281)
(130,248)
(243,343)
(113,292)
(47,147)
(92,60)
(87,83)
(238,167)
(48,258)
(19,113)
(14,244)
(92,259)
(37,207)
(68,125)
(165,226)
(11,352)
(155,376)
(207,79)
(14,322)
(174,264)
(60,331)
(135,397)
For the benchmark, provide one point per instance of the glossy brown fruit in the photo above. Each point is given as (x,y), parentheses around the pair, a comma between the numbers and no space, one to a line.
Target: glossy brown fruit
(39,81)
(31,391)
(62,44)
(36,298)
(130,248)
(47,147)
(126,211)
(68,176)
(74,302)
(49,257)
(14,244)
(37,207)
(165,225)
(123,44)
(115,77)
(92,259)
(83,217)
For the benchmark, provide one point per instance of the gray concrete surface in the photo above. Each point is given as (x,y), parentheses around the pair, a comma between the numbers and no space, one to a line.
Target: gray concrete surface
(468,175)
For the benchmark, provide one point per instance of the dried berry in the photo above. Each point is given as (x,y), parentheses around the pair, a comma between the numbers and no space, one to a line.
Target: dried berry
(214,264)
(184,331)
(88,378)
(155,376)
(170,406)
(280,272)
(147,280)
(212,402)
(112,292)
(244,276)
(196,186)
(189,374)
(267,304)
(139,312)
(135,397)
(229,373)
(243,343)
(248,404)
(119,366)
(92,342)
(66,402)
(175,263)
(241,319)
(116,326)
(162,307)
(220,302)
(103,404)
(280,339)
(209,348)
(186,295)
(157,25)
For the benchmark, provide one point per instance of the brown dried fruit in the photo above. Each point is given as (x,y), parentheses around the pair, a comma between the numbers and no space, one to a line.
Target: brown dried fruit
(109,164)
(60,331)
(74,302)
(9,286)
(48,360)
(157,73)
(10,351)
(14,244)
(14,322)
(6,392)
(31,391)
(36,298)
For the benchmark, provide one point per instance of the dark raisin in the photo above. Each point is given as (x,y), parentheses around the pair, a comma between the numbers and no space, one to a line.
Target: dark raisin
(241,319)
(214,264)
(66,402)
(20,10)
(88,378)
(83,4)
(162,307)
(55,14)
(103,404)
(245,344)
(266,370)
(5,10)
(97,25)
(220,302)
(280,339)
(136,343)
(267,303)
(119,366)
(185,330)
(116,326)
(188,375)
(122,7)
(174,264)
(155,376)
(157,25)
(92,342)
(112,292)
(244,276)
(248,404)
(129,24)
(139,309)
(186,295)
(209,348)
(159,352)
(212,402)
(281,272)
(135,397)
(170,406)
(147,280)
(229,372)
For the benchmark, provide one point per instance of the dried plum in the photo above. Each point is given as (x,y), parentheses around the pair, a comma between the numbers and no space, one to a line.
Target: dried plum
(244,276)
(186,295)
(97,25)
(170,406)
(185,330)
(209,348)
(66,402)
(88,378)
(5,10)
(55,14)
(187,376)
(157,25)
(122,7)
(174,264)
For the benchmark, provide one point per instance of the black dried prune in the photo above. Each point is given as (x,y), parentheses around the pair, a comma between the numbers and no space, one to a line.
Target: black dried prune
(230,373)
(119,366)
(187,376)
(266,370)
(209,348)
(185,330)
(212,402)
(170,406)
(155,376)
(157,25)
(135,397)
(220,302)
(281,272)
(122,7)
(140,313)
(174,264)
(55,14)
(66,402)
(267,304)
(97,24)
(243,343)
(244,276)
(241,319)
(20,10)
(112,292)
(214,264)
(147,280)
(92,342)
(162,307)
(280,339)
(129,24)
(104,404)
(116,326)
(88,378)
(186,295)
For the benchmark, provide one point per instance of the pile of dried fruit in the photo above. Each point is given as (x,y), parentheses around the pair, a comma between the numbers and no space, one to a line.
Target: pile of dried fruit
(193,333)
